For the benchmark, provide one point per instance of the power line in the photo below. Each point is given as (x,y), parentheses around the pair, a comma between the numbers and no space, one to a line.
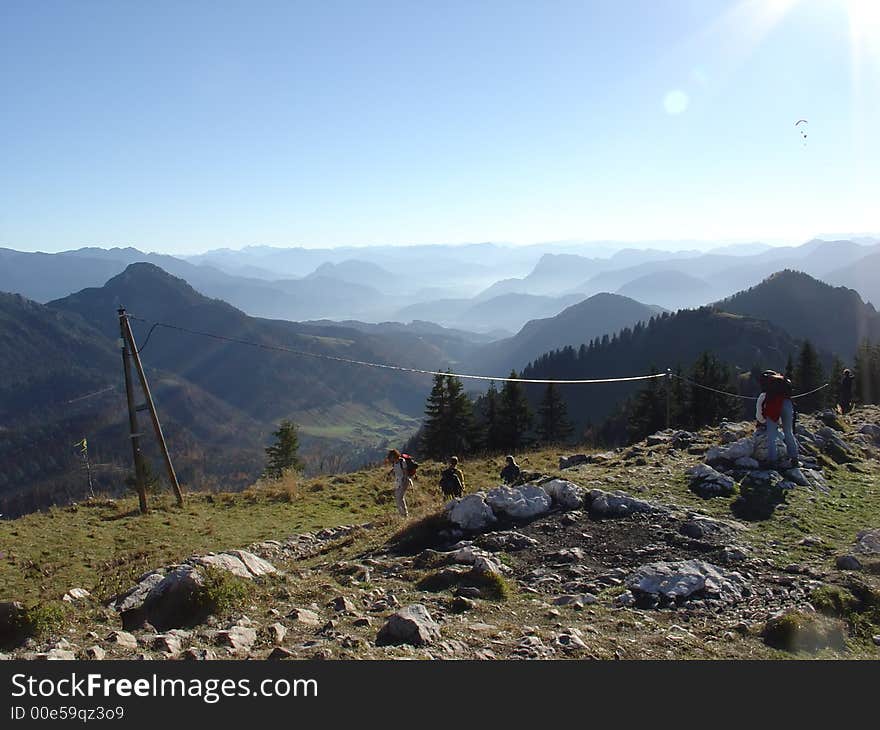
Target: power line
(397,368)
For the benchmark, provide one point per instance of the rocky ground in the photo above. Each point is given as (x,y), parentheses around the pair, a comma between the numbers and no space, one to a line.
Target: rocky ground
(685,545)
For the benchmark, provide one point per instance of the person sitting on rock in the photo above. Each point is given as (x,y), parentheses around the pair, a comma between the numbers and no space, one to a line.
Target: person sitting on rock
(452,479)
(511,471)
(844,393)
(774,407)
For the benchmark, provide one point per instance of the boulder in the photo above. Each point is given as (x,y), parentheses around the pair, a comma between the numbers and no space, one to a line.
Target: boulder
(835,446)
(760,441)
(871,430)
(519,503)
(222,561)
(239,638)
(617,504)
(305,617)
(122,639)
(471,512)
(95,653)
(674,581)
(277,632)
(848,562)
(575,600)
(169,603)
(706,482)
(702,527)
(760,493)
(567,495)
(410,625)
(830,418)
(868,542)
(566,462)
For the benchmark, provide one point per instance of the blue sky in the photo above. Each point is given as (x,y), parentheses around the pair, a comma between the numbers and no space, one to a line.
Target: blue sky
(184,126)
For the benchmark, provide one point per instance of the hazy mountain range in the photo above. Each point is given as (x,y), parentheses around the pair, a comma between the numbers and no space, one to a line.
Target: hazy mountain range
(462,287)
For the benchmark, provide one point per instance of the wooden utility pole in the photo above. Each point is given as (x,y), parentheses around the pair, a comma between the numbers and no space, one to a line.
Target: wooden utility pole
(668,398)
(139,480)
(151,406)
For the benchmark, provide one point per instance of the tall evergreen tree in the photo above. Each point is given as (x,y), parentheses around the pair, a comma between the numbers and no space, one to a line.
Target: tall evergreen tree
(449,426)
(514,416)
(832,392)
(708,407)
(492,437)
(282,456)
(647,410)
(553,424)
(808,375)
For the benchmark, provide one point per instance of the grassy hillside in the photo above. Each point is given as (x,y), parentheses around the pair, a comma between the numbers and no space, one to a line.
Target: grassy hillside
(104,545)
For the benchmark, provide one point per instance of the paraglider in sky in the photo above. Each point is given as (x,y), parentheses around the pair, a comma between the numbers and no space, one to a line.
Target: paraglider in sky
(803,130)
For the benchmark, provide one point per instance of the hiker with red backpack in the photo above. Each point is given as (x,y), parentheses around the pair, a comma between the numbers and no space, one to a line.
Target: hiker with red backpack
(774,407)
(403,467)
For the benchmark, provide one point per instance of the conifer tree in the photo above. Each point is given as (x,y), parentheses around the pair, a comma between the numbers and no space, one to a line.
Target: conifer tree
(514,416)
(808,375)
(553,424)
(282,456)
(708,407)
(449,424)
(491,425)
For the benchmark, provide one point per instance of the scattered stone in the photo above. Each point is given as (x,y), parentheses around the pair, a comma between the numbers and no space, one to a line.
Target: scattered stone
(567,462)
(575,601)
(567,555)
(508,541)
(460,604)
(64,655)
(75,595)
(616,504)
(848,562)
(761,492)
(194,654)
(868,542)
(279,652)
(122,639)
(410,625)
(95,653)
(706,482)
(701,527)
(674,581)
(305,616)
(238,638)
(277,632)
(166,643)
(343,604)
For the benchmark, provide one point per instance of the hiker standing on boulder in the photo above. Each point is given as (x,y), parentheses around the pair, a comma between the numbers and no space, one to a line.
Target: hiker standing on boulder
(511,471)
(844,393)
(452,479)
(775,406)
(402,479)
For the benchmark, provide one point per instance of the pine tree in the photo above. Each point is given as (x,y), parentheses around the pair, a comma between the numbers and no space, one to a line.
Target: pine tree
(449,424)
(492,437)
(808,375)
(708,407)
(789,369)
(282,456)
(514,416)
(554,426)
(646,412)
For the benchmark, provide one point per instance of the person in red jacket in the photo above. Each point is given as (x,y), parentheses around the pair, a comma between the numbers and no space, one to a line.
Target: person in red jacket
(774,407)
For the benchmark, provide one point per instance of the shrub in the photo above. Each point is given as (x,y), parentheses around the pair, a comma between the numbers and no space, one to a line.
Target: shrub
(221,592)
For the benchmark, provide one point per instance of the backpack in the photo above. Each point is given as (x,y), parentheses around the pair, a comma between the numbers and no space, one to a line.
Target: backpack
(409,464)
(450,484)
(775,384)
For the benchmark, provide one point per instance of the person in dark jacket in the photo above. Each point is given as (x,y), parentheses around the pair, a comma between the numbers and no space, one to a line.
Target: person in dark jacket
(844,392)
(452,479)
(511,471)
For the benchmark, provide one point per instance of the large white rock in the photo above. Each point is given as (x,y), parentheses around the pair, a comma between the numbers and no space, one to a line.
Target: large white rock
(617,504)
(566,494)
(222,561)
(519,503)
(868,542)
(471,512)
(673,580)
